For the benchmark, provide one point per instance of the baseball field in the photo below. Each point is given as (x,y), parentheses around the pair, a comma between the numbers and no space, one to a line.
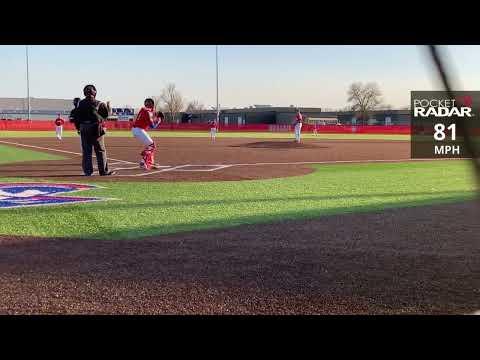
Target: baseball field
(252,223)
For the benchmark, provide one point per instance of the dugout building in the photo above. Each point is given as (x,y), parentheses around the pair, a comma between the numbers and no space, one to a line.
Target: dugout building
(45,109)
(252,115)
(286,115)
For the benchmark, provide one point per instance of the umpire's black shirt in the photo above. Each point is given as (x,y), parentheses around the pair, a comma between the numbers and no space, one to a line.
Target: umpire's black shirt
(90,112)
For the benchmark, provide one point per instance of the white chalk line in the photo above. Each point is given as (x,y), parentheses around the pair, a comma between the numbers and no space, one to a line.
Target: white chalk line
(169,168)
(213,168)
(117,161)
(339,162)
(216,167)
(223,166)
(156,172)
(61,151)
(176,168)
(138,167)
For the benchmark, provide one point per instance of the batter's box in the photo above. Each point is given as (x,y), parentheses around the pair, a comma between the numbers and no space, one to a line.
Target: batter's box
(202,167)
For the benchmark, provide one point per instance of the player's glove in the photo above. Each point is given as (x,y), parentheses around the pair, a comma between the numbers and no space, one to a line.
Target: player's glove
(155,124)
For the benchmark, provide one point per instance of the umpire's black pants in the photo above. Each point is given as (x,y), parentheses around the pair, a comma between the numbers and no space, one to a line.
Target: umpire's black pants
(90,138)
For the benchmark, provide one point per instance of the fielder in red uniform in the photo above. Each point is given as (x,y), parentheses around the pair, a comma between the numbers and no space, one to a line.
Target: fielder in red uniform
(298,125)
(213,129)
(59,126)
(146,119)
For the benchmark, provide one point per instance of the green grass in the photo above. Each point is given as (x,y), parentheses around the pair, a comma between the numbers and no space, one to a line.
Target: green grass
(144,209)
(259,135)
(10,154)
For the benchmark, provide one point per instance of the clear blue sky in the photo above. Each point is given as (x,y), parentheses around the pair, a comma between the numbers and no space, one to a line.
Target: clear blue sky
(277,75)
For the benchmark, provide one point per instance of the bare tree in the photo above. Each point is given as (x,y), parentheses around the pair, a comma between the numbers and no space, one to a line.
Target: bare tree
(364,98)
(194,105)
(173,101)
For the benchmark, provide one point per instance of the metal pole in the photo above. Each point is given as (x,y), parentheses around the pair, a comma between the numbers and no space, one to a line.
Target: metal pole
(218,109)
(28,84)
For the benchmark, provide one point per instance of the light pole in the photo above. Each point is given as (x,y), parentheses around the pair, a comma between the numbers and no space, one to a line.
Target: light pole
(218,109)
(28,83)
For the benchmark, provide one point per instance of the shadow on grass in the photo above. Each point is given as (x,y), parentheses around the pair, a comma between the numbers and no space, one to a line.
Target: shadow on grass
(301,214)
(444,195)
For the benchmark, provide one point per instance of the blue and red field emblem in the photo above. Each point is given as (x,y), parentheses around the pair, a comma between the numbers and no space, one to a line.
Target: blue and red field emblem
(17,195)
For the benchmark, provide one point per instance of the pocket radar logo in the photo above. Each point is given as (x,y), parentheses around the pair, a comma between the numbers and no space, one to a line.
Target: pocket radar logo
(461,107)
(439,121)
(17,195)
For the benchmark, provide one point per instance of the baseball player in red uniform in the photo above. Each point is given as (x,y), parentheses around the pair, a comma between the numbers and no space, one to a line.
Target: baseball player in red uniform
(213,129)
(146,119)
(298,125)
(59,126)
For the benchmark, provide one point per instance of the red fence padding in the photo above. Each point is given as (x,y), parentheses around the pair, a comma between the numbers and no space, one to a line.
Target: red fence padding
(24,125)
(47,125)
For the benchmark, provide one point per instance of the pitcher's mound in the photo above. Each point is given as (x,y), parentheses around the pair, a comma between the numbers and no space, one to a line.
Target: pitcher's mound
(280,145)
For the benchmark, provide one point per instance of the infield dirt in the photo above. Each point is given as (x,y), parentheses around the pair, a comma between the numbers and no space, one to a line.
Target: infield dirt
(182,158)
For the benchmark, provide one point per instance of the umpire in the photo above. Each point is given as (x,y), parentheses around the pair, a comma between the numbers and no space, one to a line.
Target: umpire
(88,118)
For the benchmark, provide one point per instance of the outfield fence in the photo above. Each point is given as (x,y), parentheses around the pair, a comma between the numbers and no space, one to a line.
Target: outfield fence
(48,125)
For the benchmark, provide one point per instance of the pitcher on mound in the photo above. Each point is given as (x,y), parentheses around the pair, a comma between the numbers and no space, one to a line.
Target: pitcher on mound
(298,125)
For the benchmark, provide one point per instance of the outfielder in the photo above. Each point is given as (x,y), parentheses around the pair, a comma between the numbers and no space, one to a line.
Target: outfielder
(59,126)
(145,119)
(298,125)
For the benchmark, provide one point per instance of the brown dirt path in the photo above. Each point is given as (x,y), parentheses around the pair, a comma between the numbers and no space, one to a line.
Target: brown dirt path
(346,264)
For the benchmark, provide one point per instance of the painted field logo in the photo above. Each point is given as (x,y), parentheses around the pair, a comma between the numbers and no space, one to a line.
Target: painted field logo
(15,195)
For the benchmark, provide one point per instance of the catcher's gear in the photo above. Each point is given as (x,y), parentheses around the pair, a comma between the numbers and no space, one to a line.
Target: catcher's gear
(148,157)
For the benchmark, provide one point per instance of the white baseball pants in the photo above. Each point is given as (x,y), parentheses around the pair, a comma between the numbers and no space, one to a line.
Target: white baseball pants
(59,132)
(213,133)
(142,135)
(298,131)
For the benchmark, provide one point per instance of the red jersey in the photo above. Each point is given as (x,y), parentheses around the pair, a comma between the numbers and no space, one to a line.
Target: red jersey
(144,119)
(59,121)
(299,118)
(213,124)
